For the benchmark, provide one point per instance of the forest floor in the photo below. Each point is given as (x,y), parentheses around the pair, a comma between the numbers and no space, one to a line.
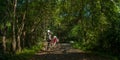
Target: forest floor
(66,52)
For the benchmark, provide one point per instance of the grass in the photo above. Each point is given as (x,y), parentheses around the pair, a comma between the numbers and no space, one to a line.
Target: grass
(25,54)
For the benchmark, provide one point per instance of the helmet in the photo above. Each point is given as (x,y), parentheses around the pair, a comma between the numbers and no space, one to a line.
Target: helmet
(55,36)
(48,31)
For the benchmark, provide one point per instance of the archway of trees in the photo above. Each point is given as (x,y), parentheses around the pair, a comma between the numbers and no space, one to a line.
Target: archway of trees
(92,25)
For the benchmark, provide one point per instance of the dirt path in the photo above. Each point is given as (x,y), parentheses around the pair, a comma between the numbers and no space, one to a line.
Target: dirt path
(66,52)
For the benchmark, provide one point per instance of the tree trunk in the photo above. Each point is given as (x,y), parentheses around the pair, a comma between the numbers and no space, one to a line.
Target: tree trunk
(4,43)
(14,41)
(23,39)
(4,39)
(18,44)
(13,27)
(20,31)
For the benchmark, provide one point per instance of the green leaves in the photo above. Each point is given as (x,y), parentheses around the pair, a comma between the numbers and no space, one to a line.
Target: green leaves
(75,31)
(90,23)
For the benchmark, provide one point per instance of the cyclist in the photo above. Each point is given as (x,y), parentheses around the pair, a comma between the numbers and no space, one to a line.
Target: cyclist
(54,41)
(49,38)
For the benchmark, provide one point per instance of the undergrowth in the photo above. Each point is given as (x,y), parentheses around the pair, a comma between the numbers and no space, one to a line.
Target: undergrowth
(25,54)
(77,45)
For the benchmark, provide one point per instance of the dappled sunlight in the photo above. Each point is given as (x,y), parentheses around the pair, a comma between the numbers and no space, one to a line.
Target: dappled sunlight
(34,27)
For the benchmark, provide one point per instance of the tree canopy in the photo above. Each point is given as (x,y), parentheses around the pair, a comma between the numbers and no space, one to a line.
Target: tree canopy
(92,24)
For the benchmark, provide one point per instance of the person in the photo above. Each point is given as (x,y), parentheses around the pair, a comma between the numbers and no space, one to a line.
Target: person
(54,41)
(49,38)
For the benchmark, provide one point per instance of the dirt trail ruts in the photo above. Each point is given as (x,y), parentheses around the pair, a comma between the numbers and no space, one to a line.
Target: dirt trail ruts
(66,52)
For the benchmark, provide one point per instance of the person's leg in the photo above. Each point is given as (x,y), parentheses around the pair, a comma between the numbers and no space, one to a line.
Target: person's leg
(54,44)
(48,45)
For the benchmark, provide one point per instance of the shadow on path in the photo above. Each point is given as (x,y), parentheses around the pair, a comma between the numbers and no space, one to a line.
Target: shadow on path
(70,54)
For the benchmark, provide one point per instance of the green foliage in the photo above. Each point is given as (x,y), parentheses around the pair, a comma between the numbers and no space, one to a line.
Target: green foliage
(25,54)
(93,25)
(75,30)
